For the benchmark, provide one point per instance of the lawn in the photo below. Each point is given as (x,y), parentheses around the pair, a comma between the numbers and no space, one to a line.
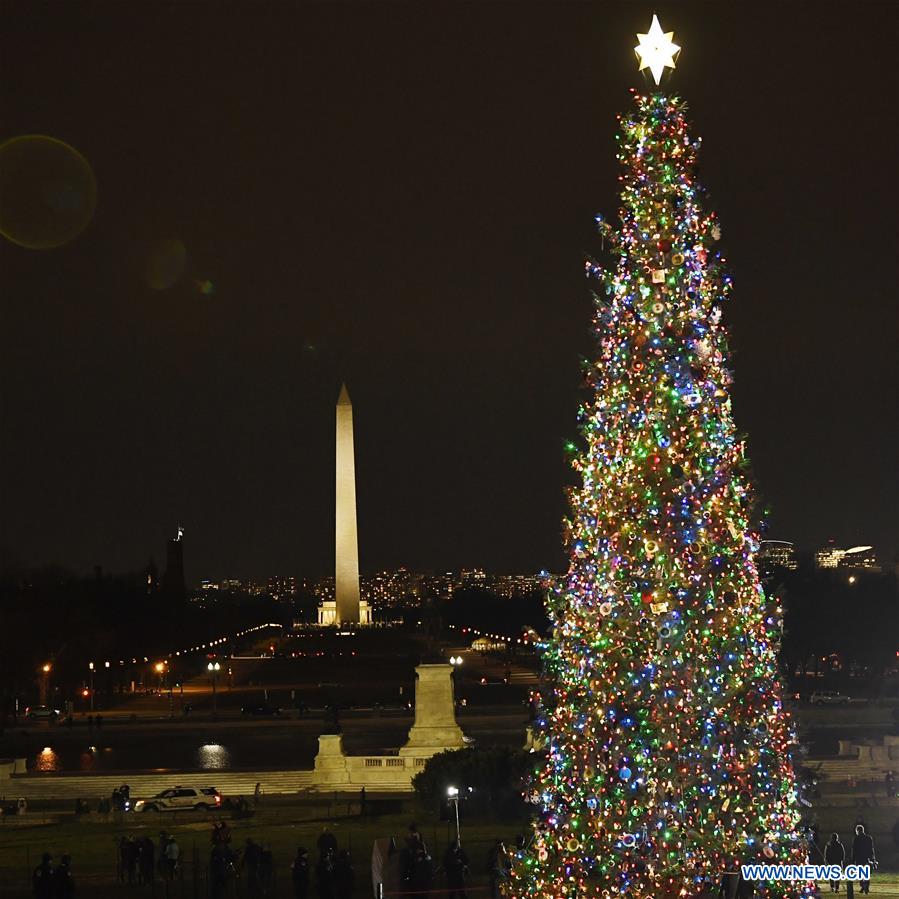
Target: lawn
(92,845)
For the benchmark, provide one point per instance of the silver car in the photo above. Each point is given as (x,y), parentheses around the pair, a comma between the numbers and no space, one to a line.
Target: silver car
(828,697)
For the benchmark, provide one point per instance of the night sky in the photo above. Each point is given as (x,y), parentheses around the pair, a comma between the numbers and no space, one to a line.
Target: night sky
(402,196)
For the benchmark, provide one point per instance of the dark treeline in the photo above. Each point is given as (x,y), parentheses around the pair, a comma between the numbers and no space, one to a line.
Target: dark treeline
(853,624)
(486,611)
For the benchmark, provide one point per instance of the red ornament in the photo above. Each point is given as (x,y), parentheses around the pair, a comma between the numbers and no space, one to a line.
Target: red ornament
(648,597)
(664,244)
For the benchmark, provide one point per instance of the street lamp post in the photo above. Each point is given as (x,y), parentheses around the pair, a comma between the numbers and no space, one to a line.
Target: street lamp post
(90,667)
(213,668)
(163,672)
(453,794)
(45,682)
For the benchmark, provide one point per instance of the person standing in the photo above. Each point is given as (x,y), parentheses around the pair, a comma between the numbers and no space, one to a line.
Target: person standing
(218,871)
(324,876)
(344,876)
(327,843)
(42,878)
(122,865)
(834,854)
(422,879)
(455,863)
(863,854)
(131,861)
(147,860)
(266,870)
(299,872)
(497,865)
(889,783)
(252,858)
(63,882)
(414,840)
(172,857)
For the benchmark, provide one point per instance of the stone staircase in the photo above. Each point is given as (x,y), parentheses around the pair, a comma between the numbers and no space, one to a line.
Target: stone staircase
(841,769)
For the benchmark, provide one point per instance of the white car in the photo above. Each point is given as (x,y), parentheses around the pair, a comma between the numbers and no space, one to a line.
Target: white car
(41,713)
(201,798)
(828,697)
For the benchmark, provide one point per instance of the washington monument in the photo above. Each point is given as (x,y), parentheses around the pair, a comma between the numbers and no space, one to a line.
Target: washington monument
(346,607)
(346,572)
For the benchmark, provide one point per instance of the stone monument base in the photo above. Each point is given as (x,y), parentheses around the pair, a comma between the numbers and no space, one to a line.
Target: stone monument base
(435,728)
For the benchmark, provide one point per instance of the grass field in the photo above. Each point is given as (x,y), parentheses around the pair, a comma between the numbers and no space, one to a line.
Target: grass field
(93,848)
(92,845)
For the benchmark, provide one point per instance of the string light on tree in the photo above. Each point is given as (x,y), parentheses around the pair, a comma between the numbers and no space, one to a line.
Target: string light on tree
(668,748)
(656,49)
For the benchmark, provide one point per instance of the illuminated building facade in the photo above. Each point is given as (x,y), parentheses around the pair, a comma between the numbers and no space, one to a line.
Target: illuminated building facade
(776,554)
(855,557)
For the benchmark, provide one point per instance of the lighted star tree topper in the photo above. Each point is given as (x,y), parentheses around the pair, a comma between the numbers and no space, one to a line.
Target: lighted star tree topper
(667,746)
(656,50)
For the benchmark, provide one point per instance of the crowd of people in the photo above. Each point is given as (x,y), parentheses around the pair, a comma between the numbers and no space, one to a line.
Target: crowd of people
(331,875)
(412,871)
(141,861)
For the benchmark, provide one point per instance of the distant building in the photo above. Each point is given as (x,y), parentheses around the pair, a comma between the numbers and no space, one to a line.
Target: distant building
(323,589)
(832,556)
(282,589)
(829,557)
(776,554)
(390,589)
(489,644)
(438,586)
(173,579)
(473,577)
(860,557)
(511,585)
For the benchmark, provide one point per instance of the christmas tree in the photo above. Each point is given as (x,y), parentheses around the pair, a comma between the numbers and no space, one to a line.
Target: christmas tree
(667,745)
